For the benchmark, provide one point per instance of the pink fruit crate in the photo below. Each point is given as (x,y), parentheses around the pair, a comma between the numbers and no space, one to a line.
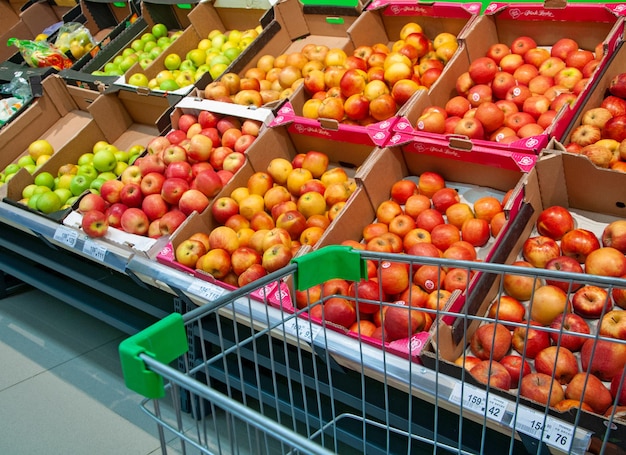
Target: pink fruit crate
(504,24)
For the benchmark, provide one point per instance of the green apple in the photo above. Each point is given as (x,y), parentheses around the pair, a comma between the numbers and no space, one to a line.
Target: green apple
(71,201)
(88,171)
(104,160)
(168,85)
(138,80)
(12,168)
(118,59)
(25,160)
(145,62)
(128,51)
(41,189)
(79,184)
(147,37)
(85,158)
(149,46)
(119,167)
(156,51)
(108,175)
(128,62)
(44,179)
(32,201)
(96,184)
(234,36)
(185,78)
(196,56)
(217,70)
(64,194)
(187,65)
(49,202)
(122,155)
(31,168)
(232,53)
(218,41)
(137,45)
(172,61)
(28,190)
(159,30)
(63,181)
(219,60)
(163,42)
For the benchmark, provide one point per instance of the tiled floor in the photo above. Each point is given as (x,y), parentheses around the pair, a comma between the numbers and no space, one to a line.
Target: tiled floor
(61,387)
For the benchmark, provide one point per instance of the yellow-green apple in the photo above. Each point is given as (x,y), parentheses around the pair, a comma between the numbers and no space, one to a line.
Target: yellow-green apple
(506,308)
(613,324)
(538,250)
(568,326)
(458,213)
(520,287)
(568,77)
(605,360)
(590,390)
(565,264)
(152,183)
(94,223)
(132,174)
(276,257)
(578,243)
(606,261)
(591,301)
(517,368)
(110,190)
(249,97)
(193,200)
(547,303)
(557,361)
(215,262)
(428,219)
(492,373)
(92,201)
(541,388)
(234,161)
(169,222)
(529,341)
(114,214)
(189,251)
(490,341)
(154,206)
(134,221)
(225,238)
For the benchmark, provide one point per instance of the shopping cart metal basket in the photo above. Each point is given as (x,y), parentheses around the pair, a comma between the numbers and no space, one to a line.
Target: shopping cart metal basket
(249,372)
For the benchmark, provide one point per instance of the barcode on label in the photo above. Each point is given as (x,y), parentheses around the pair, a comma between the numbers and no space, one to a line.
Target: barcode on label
(304,330)
(66,236)
(94,250)
(475,399)
(207,291)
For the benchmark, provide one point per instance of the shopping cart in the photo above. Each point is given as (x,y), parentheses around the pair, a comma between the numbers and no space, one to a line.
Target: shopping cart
(250,372)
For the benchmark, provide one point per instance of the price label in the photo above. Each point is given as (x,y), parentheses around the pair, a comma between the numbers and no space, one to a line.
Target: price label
(66,236)
(301,329)
(206,290)
(93,249)
(553,432)
(476,399)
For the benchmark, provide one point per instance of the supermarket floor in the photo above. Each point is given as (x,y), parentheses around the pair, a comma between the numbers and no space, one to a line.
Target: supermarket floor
(61,386)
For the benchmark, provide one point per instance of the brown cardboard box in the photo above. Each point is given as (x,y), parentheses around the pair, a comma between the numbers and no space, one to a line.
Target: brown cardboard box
(503,23)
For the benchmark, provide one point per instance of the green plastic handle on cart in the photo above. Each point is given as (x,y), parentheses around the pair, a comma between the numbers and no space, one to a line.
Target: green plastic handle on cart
(333,261)
(165,341)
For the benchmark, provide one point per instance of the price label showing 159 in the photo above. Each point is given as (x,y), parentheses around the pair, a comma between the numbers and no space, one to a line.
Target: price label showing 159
(477,400)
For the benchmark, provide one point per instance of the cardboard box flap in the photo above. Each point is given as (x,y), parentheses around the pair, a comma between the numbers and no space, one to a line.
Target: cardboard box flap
(171,13)
(207,17)
(56,89)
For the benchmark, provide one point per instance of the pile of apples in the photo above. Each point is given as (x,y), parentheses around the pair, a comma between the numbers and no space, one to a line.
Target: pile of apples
(38,152)
(365,87)
(513,92)
(571,309)
(180,173)
(262,225)
(53,191)
(212,55)
(428,219)
(602,133)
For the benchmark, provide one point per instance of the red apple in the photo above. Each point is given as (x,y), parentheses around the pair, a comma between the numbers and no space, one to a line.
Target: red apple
(517,368)
(169,222)
(507,308)
(558,362)
(491,341)
(492,373)
(529,341)
(606,261)
(571,324)
(154,206)
(565,264)
(590,390)
(134,221)
(94,223)
(613,324)
(591,301)
(578,243)
(538,250)
(541,388)
(603,358)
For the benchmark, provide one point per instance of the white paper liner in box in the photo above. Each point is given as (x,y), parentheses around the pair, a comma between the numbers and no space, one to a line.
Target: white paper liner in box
(136,242)
(260,114)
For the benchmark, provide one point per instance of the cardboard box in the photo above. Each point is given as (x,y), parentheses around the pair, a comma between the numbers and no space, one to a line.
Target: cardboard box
(555,180)
(381,23)
(280,142)
(121,118)
(502,23)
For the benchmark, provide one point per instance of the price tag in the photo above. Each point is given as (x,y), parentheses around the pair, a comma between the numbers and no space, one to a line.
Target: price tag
(206,290)
(301,329)
(93,249)
(66,236)
(553,432)
(477,400)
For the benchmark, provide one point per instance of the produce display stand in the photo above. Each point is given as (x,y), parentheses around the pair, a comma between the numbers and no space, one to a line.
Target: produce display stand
(284,377)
